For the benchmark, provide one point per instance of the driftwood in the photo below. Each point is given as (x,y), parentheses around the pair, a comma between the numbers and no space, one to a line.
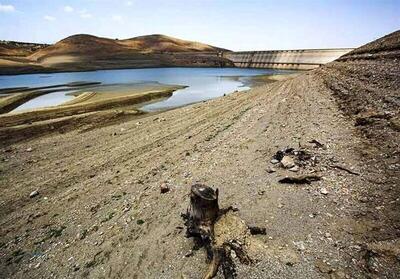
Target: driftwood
(344,169)
(202,214)
(303,179)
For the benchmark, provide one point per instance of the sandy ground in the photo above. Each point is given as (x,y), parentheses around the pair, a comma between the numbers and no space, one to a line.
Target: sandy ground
(98,211)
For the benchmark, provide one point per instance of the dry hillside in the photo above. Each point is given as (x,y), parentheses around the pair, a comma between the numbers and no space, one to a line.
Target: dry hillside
(88,45)
(19,49)
(86,52)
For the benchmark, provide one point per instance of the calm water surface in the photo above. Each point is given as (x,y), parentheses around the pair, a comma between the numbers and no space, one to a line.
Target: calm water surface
(204,83)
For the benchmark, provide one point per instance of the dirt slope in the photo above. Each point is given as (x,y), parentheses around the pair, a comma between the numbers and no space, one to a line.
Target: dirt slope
(100,214)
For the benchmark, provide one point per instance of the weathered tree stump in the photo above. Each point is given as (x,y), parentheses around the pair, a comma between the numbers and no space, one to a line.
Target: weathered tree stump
(202,214)
(203,209)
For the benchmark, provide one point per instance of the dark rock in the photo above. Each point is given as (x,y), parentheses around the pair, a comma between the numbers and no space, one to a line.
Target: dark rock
(257,230)
(164,188)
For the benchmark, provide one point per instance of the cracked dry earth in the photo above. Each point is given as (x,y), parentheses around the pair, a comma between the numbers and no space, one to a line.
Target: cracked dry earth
(99,212)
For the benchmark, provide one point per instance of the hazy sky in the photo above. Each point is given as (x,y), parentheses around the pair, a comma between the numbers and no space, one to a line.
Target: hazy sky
(233,24)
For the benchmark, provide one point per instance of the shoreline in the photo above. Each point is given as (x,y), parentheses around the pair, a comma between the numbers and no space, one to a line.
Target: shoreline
(87,102)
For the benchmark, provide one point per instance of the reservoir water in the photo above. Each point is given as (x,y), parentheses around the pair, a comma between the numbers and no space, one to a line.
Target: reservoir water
(203,83)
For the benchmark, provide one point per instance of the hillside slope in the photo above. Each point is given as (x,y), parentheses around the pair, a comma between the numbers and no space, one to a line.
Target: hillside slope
(12,48)
(86,52)
(88,45)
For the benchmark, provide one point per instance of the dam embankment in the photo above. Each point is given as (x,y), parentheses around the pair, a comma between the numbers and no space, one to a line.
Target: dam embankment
(303,59)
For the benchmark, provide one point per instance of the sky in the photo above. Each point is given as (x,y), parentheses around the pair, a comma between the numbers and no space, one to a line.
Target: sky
(231,24)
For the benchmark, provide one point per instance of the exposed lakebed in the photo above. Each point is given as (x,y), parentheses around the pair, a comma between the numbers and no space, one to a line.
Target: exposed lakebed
(201,84)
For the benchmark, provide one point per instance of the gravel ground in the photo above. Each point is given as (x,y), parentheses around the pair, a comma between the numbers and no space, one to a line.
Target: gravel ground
(98,211)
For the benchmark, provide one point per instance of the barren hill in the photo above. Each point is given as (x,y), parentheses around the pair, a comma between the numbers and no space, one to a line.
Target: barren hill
(12,48)
(88,45)
(162,43)
(86,52)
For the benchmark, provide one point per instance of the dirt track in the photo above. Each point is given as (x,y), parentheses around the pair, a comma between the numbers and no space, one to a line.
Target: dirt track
(100,213)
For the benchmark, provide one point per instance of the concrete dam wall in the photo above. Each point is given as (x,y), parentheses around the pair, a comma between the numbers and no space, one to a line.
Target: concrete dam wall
(304,59)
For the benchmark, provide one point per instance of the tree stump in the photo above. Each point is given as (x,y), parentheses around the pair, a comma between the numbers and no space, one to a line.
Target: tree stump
(201,216)
(203,209)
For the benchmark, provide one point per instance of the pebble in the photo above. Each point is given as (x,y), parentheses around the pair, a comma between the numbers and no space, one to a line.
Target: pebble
(164,188)
(295,169)
(299,245)
(287,162)
(324,191)
(29,149)
(271,170)
(274,161)
(34,194)
(328,235)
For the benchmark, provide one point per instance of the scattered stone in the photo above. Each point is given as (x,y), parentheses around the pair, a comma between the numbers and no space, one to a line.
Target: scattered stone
(29,149)
(126,208)
(122,129)
(280,205)
(299,245)
(274,161)
(140,222)
(295,169)
(271,170)
(34,194)
(287,162)
(261,192)
(81,235)
(324,191)
(189,254)
(328,235)
(164,188)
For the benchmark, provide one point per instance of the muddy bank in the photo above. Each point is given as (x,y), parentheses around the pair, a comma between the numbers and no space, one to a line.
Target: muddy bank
(15,97)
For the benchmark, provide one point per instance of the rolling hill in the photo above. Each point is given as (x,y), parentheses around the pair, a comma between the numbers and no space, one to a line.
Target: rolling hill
(87,52)
(88,45)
